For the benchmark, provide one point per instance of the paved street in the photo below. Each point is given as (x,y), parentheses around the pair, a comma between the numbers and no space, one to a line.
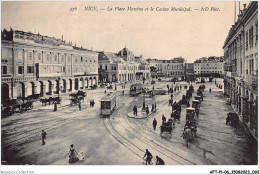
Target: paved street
(120,140)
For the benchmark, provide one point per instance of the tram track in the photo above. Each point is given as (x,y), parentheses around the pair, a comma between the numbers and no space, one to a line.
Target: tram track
(122,138)
(27,134)
(167,145)
(191,149)
(158,147)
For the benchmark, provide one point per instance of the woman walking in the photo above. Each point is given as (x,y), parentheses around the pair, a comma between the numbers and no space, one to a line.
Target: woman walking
(72,155)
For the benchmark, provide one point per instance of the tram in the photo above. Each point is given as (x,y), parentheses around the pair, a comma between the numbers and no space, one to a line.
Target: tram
(108,104)
(135,89)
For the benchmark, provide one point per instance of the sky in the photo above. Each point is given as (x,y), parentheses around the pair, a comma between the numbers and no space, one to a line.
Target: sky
(154,34)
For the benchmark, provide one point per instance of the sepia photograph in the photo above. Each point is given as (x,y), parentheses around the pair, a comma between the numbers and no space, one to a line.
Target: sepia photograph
(138,83)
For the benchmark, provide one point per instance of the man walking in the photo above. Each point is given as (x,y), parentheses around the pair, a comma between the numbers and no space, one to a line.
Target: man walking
(154,124)
(79,105)
(43,137)
(147,110)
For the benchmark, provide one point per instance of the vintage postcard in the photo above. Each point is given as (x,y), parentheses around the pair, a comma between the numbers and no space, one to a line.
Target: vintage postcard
(129,83)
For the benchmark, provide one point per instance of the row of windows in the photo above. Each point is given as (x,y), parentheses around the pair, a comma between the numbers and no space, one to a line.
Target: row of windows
(173,67)
(207,71)
(55,57)
(250,36)
(30,70)
(174,73)
(208,68)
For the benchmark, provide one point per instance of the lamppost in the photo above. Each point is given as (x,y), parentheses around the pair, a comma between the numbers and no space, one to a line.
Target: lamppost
(58,87)
(143,101)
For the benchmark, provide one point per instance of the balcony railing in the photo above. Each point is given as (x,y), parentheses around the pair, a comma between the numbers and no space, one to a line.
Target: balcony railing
(253,80)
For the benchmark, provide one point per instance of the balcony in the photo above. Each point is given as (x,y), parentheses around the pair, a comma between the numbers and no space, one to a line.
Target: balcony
(253,80)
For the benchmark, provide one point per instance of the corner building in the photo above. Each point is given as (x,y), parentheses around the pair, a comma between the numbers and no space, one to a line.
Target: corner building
(36,64)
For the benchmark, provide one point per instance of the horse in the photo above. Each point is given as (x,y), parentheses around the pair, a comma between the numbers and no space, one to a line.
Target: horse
(187,135)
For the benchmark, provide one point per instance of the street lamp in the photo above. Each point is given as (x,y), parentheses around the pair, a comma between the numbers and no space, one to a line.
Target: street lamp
(143,102)
(58,88)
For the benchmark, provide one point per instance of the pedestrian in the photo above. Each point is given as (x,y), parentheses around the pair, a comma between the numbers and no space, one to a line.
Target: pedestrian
(154,124)
(93,103)
(72,155)
(188,104)
(123,92)
(79,105)
(163,119)
(135,110)
(105,91)
(43,137)
(209,90)
(197,113)
(159,161)
(55,106)
(147,110)
(169,102)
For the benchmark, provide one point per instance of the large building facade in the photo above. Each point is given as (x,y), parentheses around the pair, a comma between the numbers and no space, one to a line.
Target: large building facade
(189,71)
(241,55)
(174,68)
(212,66)
(36,64)
(122,67)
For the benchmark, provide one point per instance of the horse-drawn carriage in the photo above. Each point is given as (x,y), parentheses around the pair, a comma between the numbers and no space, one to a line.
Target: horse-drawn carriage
(50,100)
(93,87)
(190,114)
(27,106)
(196,104)
(190,128)
(167,127)
(135,89)
(176,115)
(232,120)
(11,106)
(199,98)
(108,104)
(16,105)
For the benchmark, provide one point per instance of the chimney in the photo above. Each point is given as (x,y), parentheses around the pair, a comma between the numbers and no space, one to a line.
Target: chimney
(61,37)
